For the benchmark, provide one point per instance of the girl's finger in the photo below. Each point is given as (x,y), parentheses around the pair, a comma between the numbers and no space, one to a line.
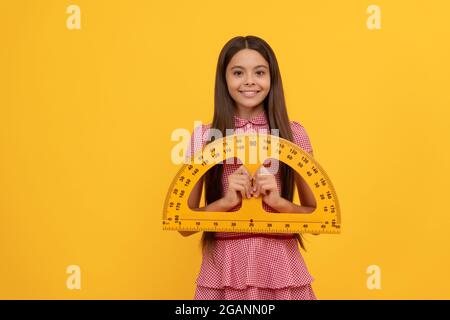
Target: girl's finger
(246,181)
(240,189)
(238,177)
(250,188)
(260,178)
(265,189)
(257,189)
(263,171)
(264,175)
(247,185)
(270,179)
(243,177)
(238,171)
(242,170)
(243,186)
(246,171)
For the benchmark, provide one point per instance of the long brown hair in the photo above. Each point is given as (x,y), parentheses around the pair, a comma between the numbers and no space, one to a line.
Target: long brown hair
(274,107)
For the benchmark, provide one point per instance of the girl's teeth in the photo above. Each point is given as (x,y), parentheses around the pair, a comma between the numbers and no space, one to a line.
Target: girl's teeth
(249,94)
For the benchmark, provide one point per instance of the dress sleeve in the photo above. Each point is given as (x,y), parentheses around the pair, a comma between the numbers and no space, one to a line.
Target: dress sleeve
(196,143)
(301,137)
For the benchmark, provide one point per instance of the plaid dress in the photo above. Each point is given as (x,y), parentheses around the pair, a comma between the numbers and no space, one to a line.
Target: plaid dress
(262,266)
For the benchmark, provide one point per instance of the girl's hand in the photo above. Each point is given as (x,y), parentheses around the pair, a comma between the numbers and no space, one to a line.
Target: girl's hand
(265,184)
(239,186)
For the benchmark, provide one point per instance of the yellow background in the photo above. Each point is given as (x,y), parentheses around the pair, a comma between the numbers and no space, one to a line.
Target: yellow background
(86,117)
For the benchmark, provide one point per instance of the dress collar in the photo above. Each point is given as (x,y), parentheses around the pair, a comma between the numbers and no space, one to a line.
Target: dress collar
(259,119)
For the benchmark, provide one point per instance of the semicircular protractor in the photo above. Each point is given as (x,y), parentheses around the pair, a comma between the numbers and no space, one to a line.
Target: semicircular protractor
(252,150)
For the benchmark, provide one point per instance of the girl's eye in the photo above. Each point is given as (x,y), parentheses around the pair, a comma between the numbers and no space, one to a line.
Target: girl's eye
(258,72)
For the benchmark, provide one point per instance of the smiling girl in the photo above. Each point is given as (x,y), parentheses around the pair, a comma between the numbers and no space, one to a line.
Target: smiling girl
(249,97)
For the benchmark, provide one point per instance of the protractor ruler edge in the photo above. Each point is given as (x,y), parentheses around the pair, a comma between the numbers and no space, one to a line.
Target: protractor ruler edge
(251,217)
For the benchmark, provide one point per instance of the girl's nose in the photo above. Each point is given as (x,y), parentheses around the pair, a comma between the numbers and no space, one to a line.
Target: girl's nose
(249,81)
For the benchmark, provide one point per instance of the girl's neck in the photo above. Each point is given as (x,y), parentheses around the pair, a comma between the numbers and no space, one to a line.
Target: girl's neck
(248,113)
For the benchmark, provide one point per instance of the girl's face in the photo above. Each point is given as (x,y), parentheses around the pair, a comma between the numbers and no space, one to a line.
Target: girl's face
(248,78)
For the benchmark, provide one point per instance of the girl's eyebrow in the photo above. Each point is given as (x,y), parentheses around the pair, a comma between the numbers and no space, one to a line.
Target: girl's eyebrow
(260,65)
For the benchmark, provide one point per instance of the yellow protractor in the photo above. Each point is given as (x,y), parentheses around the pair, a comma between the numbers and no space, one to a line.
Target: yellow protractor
(252,149)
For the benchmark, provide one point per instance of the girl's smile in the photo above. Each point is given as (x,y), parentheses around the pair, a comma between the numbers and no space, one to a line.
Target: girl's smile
(249,94)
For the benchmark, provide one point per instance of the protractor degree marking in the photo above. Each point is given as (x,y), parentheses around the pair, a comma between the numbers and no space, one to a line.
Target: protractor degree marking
(286,151)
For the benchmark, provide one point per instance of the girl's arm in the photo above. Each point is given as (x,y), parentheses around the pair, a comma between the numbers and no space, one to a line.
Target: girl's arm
(194,201)
(304,192)
(308,202)
(306,198)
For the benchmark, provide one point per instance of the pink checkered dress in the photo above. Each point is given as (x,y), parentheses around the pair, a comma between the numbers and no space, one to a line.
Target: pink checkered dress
(247,266)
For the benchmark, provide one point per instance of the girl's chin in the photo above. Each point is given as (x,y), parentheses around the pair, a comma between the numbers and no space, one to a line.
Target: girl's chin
(250,104)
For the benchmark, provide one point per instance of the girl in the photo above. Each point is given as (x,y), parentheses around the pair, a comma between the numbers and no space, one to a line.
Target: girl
(248,98)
